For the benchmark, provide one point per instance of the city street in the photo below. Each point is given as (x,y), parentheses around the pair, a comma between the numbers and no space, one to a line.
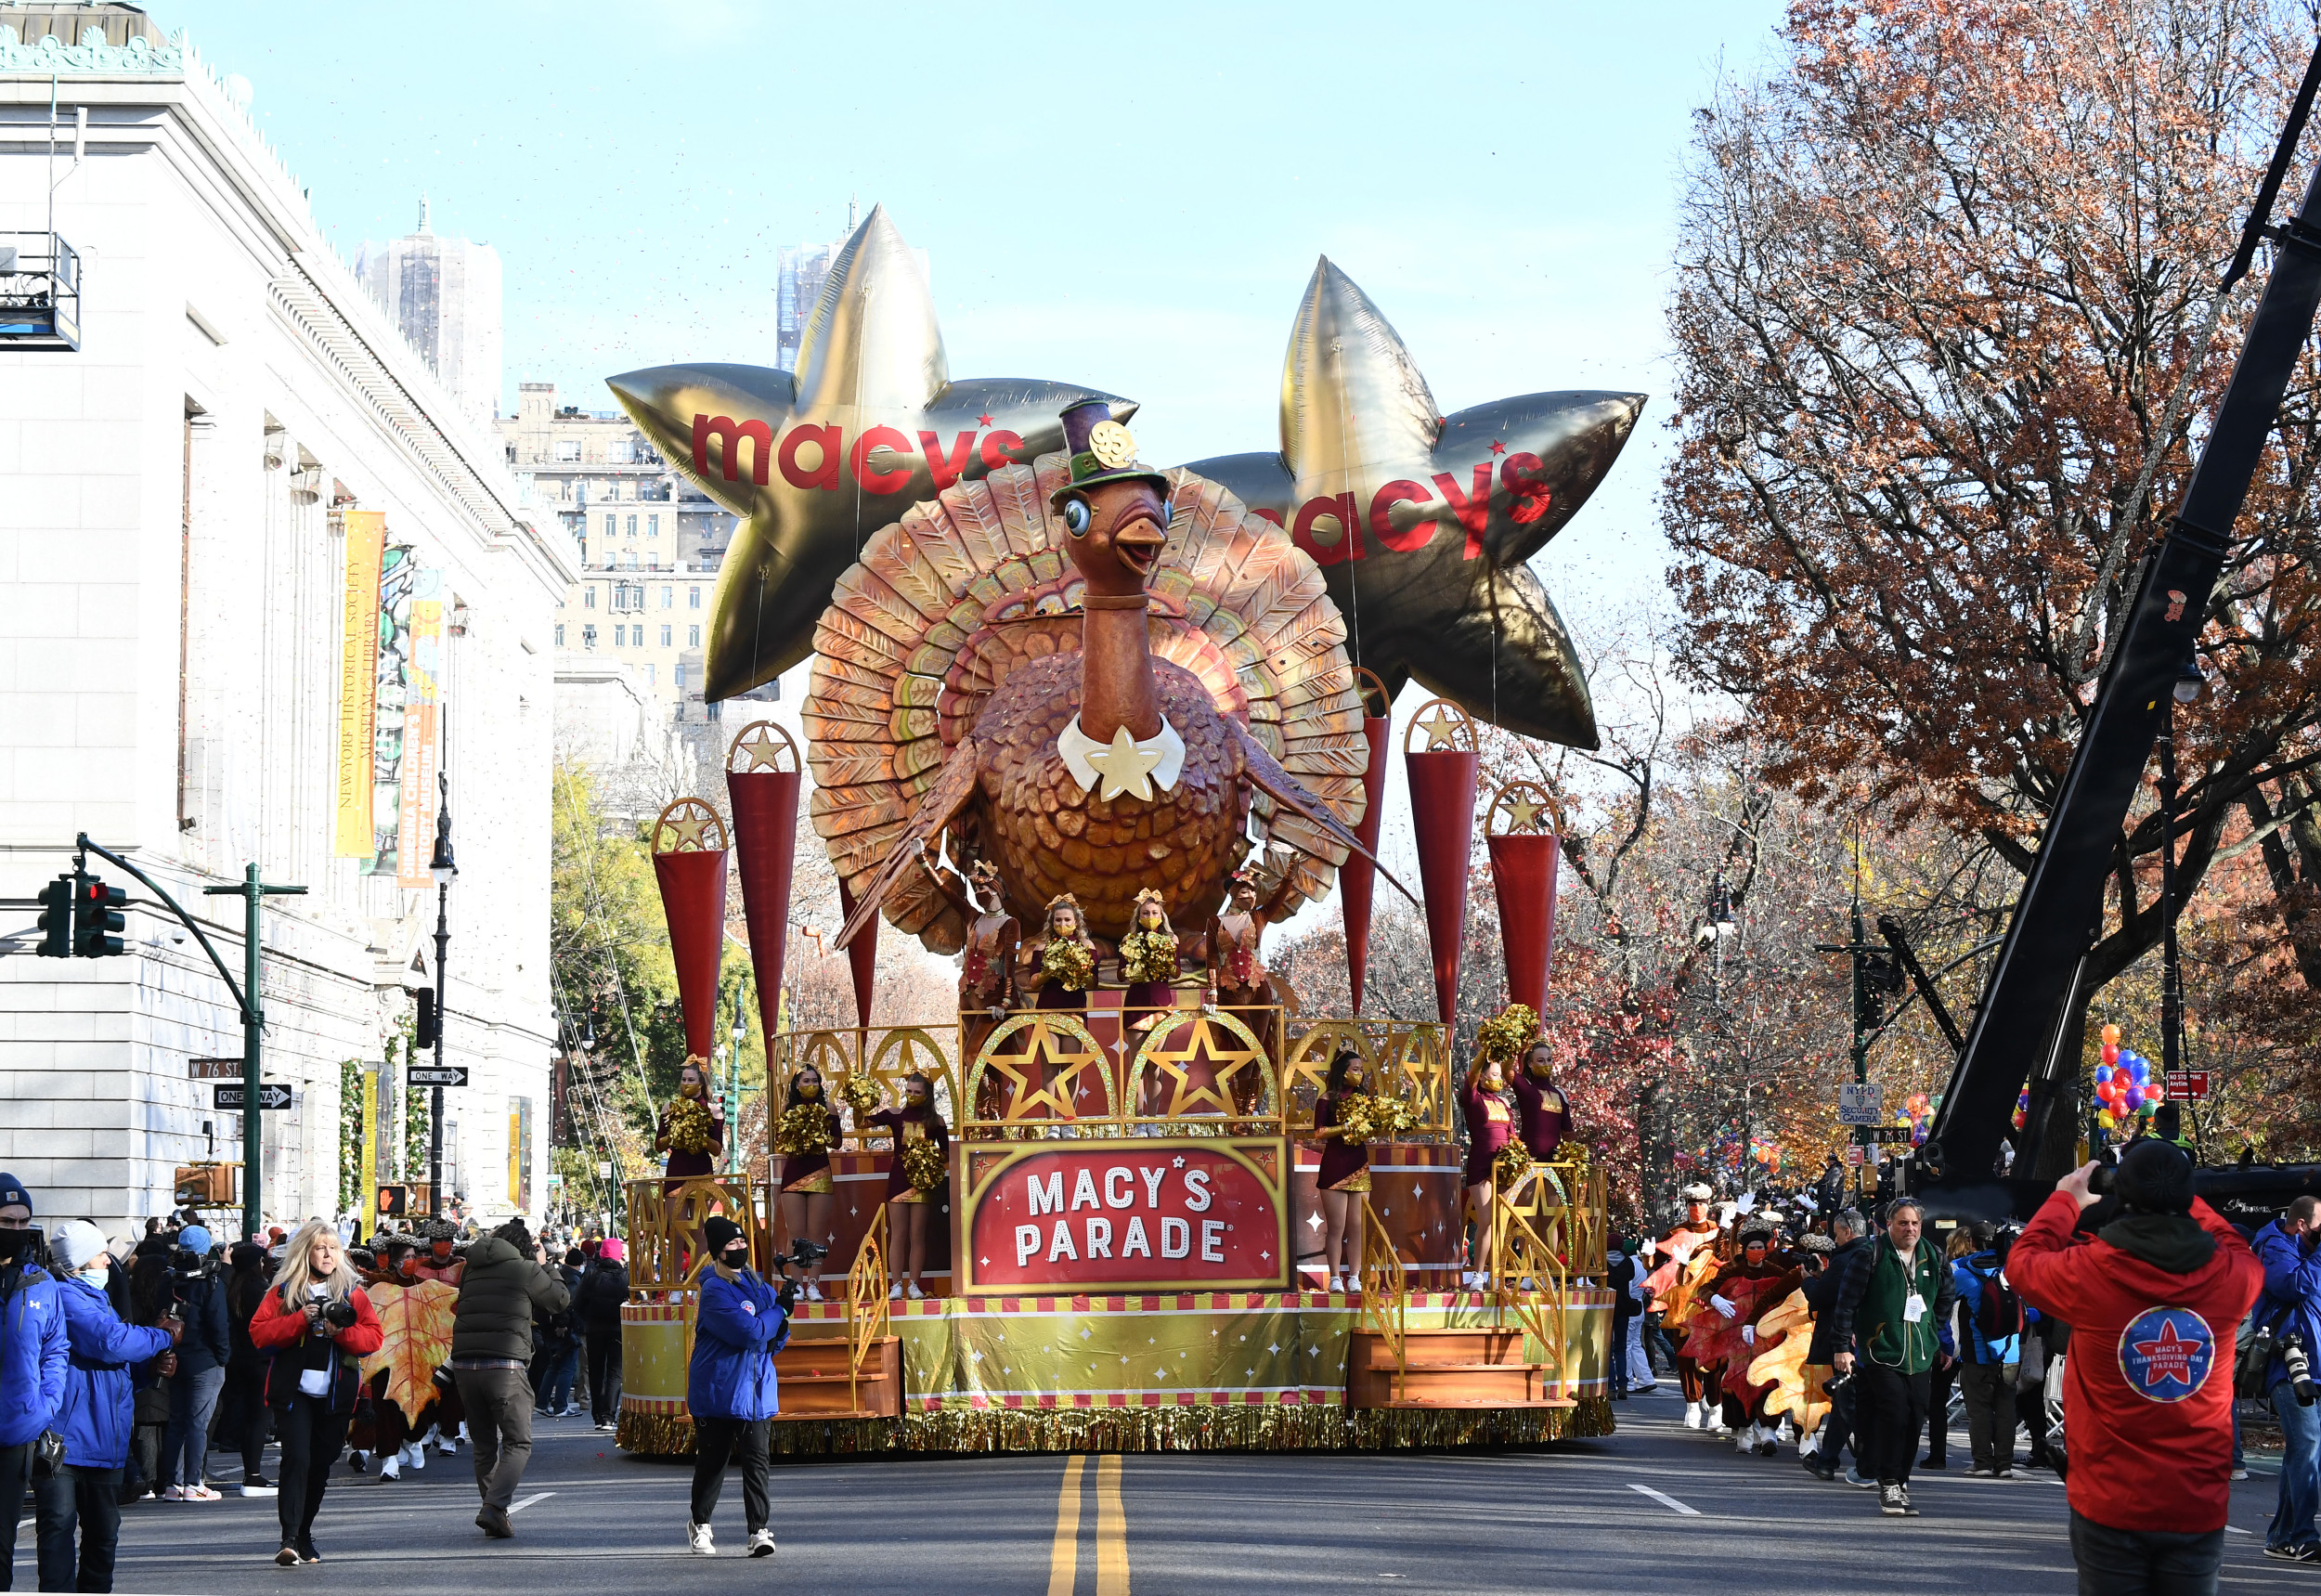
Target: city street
(1654,1505)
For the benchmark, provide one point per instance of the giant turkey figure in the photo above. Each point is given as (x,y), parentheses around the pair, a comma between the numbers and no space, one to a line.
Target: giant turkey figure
(1097,753)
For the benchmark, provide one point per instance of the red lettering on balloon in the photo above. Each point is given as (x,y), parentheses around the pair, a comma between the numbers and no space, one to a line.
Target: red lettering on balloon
(1473,514)
(1348,544)
(831,440)
(729,434)
(946,471)
(1522,474)
(997,447)
(1272,516)
(1418,534)
(879,480)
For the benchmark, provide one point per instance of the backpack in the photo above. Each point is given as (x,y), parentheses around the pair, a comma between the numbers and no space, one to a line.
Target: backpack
(1998,1311)
(2253,1363)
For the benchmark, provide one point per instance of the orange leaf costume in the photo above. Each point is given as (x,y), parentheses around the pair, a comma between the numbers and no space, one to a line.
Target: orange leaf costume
(417,1321)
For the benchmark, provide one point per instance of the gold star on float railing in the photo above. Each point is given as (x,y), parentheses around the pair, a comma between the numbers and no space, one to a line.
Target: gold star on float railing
(1043,1049)
(765,750)
(1522,814)
(1228,1061)
(1125,767)
(1440,727)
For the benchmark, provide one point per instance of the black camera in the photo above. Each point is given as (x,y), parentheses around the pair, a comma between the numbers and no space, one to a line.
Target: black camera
(340,1312)
(2298,1364)
(2099,1179)
(802,1254)
(1836,1384)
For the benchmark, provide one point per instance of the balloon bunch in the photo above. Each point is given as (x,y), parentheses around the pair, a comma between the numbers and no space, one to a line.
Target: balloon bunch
(1916,1115)
(2125,1084)
(2022,1108)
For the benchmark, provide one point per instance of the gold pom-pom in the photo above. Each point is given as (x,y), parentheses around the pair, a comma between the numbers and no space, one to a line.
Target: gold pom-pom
(859,1091)
(804,1129)
(1069,964)
(1356,1121)
(1508,1033)
(924,1165)
(689,1126)
(1510,1167)
(1149,955)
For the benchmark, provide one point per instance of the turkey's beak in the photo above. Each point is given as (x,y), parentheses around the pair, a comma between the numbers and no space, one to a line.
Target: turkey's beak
(1137,545)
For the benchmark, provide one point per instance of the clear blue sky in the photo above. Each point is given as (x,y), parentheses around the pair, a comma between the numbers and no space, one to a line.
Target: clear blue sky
(1131,195)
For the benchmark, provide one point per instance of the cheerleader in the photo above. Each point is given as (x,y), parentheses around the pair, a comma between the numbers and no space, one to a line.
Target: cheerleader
(1148,964)
(1490,1125)
(1059,964)
(808,1129)
(692,1128)
(1343,1183)
(916,1122)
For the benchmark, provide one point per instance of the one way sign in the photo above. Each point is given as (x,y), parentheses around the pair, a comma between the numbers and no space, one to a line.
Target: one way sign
(272,1097)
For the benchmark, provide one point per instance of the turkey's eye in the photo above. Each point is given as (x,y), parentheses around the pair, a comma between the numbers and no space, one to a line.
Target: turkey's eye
(1076,516)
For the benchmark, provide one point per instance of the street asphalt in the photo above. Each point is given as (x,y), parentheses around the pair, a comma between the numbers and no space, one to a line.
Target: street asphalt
(1654,1508)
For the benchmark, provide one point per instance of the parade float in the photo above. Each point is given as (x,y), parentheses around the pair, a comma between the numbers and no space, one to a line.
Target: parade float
(1091,727)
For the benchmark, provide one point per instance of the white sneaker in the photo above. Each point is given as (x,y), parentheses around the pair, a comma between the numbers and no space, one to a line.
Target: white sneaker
(912,1291)
(813,1293)
(261,1490)
(444,1445)
(174,1494)
(894,1293)
(697,1541)
(761,1543)
(391,1468)
(418,1459)
(1744,1438)
(1694,1418)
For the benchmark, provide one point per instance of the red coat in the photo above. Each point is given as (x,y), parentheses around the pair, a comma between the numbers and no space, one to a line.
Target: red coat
(2148,1388)
(276,1328)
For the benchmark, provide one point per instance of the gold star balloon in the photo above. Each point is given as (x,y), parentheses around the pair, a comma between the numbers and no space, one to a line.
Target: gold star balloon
(816,462)
(1422,523)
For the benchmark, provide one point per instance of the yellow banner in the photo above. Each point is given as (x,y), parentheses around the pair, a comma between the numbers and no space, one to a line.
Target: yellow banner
(358,681)
(371,1148)
(415,842)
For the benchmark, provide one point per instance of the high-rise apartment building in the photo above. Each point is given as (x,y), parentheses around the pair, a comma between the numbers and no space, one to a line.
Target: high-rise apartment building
(444,294)
(800,272)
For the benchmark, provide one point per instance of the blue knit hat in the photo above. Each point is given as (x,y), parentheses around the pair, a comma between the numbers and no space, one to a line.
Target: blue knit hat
(196,1240)
(13,1194)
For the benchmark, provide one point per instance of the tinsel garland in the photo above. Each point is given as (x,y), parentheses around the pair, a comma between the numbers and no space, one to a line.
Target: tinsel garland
(1270,1428)
(1149,955)
(859,1091)
(1071,964)
(1507,1032)
(924,1165)
(803,1129)
(1510,1167)
(689,1126)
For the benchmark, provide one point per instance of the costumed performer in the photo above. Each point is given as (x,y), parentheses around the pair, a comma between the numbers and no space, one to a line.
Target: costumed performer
(1344,1182)
(1490,1127)
(1148,964)
(1059,965)
(316,1325)
(1740,1295)
(986,972)
(691,1130)
(1684,1258)
(1243,987)
(915,1174)
(1546,1117)
(808,1130)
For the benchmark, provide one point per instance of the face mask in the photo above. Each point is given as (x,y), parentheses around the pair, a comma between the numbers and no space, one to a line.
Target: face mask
(17,1245)
(690,1089)
(915,1098)
(1354,1080)
(738,1258)
(808,1090)
(93,1275)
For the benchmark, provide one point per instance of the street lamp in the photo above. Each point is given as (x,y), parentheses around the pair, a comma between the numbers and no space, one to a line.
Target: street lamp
(2187,690)
(442,868)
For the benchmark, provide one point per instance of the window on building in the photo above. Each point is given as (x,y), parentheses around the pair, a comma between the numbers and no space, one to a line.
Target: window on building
(678,675)
(620,637)
(693,637)
(588,636)
(653,526)
(560,634)
(651,671)
(588,601)
(612,526)
(568,450)
(693,598)
(632,526)
(617,451)
(669,598)
(664,639)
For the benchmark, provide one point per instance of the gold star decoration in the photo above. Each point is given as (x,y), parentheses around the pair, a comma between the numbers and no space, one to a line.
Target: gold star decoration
(1213,1042)
(1125,767)
(1522,814)
(1441,729)
(689,825)
(1046,1059)
(762,748)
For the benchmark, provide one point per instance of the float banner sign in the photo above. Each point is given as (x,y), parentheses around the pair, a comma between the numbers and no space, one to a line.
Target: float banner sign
(365,544)
(1206,1214)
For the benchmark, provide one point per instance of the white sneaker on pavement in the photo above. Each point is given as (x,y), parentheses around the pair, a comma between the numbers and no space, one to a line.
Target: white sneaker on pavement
(761,1543)
(1693,1419)
(697,1541)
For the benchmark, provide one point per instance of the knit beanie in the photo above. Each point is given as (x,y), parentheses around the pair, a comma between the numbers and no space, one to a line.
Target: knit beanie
(74,1243)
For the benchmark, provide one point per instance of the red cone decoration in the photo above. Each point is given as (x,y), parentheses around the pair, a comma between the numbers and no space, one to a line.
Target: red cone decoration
(764,795)
(1523,867)
(689,859)
(1442,780)
(862,956)
(1358,875)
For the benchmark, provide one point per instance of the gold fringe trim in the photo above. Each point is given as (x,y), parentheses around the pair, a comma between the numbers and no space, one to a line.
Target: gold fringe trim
(1265,1429)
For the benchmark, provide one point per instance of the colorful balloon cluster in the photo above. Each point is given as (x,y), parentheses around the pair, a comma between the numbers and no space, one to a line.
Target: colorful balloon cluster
(2125,1084)
(2022,1108)
(1916,1115)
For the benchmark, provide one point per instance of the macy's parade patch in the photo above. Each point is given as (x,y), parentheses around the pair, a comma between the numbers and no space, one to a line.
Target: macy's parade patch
(2166,1353)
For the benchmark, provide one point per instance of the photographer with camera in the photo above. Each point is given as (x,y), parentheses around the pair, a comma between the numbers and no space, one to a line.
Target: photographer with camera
(506,1283)
(2289,1248)
(2151,1300)
(33,1358)
(315,1326)
(730,1389)
(197,1299)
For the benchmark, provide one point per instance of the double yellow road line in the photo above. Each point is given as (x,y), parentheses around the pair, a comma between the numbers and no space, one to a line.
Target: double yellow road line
(1063,1573)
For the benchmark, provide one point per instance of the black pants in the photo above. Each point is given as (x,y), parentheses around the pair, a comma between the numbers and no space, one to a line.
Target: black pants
(1890,1410)
(312,1438)
(88,1500)
(15,1464)
(713,1448)
(1939,1384)
(604,1376)
(1838,1427)
(244,1417)
(2145,1563)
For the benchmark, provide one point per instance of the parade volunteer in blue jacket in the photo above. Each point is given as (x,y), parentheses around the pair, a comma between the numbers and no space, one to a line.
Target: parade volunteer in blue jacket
(108,1361)
(730,1390)
(33,1357)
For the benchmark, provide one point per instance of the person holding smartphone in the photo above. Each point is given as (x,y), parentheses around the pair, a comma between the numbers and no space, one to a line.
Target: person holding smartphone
(315,1326)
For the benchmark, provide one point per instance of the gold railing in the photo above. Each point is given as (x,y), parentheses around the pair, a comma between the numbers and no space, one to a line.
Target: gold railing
(1528,1280)
(667,1247)
(1386,1293)
(1563,1201)
(1404,1059)
(885,1053)
(865,1313)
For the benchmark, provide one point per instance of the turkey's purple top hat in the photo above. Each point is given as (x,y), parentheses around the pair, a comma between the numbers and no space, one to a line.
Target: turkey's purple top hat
(1079,420)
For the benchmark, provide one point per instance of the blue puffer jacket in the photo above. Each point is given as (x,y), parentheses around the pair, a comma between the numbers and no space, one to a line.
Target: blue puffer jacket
(2292,1291)
(740,1328)
(32,1359)
(100,1385)
(1972,1272)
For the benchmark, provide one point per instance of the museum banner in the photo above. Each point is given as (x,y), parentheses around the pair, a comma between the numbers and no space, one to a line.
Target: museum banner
(359,713)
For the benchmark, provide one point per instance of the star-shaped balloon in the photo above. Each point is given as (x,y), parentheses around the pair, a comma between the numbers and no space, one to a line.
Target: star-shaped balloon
(1422,522)
(869,424)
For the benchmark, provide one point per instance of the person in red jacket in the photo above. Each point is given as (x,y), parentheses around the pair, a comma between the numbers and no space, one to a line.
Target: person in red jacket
(2153,1301)
(315,1326)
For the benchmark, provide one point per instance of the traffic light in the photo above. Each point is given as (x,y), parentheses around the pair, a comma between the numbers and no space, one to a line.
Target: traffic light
(56,919)
(395,1201)
(423,1031)
(96,917)
(1881,979)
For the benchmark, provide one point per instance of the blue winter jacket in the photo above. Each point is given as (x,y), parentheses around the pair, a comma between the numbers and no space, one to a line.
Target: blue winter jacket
(32,1359)
(1968,1274)
(739,1330)
(2292,1291)
(105,1369)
